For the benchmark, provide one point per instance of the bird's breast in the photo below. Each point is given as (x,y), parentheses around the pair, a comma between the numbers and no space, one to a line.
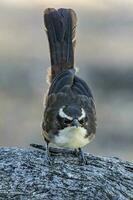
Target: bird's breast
(71,137)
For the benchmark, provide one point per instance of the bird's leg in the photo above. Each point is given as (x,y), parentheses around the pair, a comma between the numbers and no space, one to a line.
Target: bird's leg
(82,157)
(47,154)
(76,152)
(44,148)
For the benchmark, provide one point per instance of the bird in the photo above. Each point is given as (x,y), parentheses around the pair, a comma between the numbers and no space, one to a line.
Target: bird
(69,117)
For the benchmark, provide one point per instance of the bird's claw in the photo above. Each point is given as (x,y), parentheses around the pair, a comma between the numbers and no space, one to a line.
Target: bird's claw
(82,158)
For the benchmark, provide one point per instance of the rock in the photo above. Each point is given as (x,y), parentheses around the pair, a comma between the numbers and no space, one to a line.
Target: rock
(25,174)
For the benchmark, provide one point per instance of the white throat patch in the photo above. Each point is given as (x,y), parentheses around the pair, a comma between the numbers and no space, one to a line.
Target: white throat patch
(71,137)
(64,115)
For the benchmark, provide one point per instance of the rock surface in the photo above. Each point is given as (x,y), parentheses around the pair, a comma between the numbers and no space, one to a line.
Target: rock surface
(25,175)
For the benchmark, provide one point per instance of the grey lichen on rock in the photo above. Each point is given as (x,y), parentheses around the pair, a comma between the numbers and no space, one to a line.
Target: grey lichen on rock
(25,175)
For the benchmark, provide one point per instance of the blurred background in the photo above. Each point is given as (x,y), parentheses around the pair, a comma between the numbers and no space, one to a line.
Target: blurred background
(104,56)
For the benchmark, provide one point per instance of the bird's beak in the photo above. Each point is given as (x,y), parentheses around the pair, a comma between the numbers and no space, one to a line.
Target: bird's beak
(76,123)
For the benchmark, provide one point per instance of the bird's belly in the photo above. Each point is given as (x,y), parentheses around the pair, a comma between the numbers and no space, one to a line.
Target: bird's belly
(71,137)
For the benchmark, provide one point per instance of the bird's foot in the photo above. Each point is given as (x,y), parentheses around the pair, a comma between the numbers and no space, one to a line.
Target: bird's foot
(48,159)
(46,149)
(47,155)
(82,158)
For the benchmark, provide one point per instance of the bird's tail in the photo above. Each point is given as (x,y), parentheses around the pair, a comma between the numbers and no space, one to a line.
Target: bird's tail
(60,25)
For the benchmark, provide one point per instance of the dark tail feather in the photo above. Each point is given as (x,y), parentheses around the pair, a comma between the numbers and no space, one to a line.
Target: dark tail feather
(61,26)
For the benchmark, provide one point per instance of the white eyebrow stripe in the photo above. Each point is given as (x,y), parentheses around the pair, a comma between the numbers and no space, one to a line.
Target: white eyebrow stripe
(63,115)
(82,115)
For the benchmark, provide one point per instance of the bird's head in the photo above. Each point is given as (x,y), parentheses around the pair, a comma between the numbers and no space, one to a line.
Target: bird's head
(72,116)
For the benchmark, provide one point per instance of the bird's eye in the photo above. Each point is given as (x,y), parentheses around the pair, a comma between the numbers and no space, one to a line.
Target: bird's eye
(63,122)
(67,121)
(83,121)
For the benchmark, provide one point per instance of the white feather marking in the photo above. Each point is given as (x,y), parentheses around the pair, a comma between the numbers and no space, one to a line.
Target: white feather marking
(63,115)
(71,137)
(82,115)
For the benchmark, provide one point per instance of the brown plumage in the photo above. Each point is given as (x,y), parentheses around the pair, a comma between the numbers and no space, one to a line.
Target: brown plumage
(60,26)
